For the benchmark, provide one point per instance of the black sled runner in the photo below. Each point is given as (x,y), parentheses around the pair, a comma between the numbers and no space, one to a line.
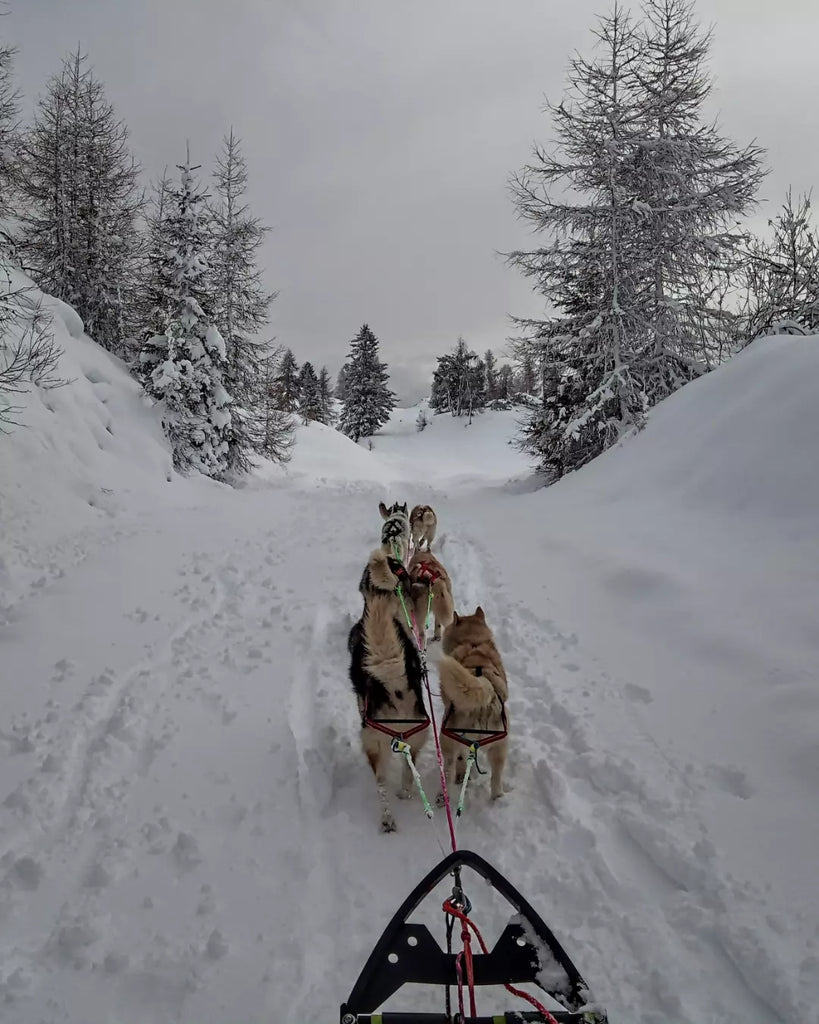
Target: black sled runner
(526,953)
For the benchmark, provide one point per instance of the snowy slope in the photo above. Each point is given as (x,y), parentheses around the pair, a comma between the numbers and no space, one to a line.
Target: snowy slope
(188,830)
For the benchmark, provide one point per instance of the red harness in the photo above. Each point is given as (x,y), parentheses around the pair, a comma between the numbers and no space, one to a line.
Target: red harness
(383,724)
(487,735)
(423,572)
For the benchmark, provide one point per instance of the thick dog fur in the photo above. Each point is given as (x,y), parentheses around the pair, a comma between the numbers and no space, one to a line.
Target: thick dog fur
(395,533)
(443,606)
(474,686)
(423,524)
(385,670)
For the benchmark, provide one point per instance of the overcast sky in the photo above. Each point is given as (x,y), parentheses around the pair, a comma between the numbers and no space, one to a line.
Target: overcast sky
(380,136)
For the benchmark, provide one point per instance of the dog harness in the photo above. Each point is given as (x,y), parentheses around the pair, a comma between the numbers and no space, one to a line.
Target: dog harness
(423,572)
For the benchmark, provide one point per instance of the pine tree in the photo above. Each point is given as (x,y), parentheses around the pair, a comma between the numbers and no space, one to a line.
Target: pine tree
(490,363)
(341,383)
(241,301)
(309,397)
(286,383)
(689,185)
(277,434)
(183,367)
(631,259)
(368,401)
(505,383)
(9,135)
(325,387)
(459,382)
(156,299)
(79,183)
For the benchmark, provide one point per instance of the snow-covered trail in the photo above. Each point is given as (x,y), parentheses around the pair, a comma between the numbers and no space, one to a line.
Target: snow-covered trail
(191,833)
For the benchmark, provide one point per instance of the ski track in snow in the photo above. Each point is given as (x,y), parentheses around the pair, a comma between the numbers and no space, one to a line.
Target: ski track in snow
(225,758)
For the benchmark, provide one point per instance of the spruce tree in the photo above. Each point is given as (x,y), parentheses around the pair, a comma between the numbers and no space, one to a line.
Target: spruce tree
(459,382)
(309,397)
(368,401)
(241,309)
(277,434)
(325,390)
(286,383)
(490,363)
(183,367)
(81,202)
(341,383)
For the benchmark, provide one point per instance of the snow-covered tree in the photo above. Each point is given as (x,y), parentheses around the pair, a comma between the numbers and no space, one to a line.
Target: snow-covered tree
(183,367)
(459,382)
(341,382)
(781,274)
(278,426)
(368,401)
(491,366)
(309,397)
(638,202)
(241,301)
(9,137)
(690,186)
(325,391)
(28,353)
(156,297)
(81,198)
(286,383)
(505,385)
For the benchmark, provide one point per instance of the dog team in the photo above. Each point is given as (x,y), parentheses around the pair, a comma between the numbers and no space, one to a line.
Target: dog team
(402,583)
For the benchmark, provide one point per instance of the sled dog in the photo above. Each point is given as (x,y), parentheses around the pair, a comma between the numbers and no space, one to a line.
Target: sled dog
(423,524)
(429,578)
(474,690)
(395,532)
(386,674)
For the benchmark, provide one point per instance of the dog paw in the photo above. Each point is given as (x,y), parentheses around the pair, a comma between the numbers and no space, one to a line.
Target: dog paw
(498,796)
(388,825)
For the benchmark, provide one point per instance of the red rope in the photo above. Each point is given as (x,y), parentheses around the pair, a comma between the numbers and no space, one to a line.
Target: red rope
(464,958)
(467,923)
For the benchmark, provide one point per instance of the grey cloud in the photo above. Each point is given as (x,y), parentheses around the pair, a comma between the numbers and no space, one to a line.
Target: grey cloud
(381,135)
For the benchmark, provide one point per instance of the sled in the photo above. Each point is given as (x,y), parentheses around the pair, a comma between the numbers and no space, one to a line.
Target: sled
(526,953)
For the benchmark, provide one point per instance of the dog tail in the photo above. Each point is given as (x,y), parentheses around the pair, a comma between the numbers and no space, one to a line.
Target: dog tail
(462,688)
(442,603)
(428,517)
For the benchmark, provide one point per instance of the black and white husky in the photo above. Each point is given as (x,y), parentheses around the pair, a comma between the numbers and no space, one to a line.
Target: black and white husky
(386,673)
(395,531)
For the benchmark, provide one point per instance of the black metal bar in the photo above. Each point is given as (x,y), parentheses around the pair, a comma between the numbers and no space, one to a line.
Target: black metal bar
(516,1017)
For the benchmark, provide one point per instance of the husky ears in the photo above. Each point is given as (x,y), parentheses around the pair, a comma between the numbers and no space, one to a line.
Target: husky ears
(456,618)
(382,508)
(479,614)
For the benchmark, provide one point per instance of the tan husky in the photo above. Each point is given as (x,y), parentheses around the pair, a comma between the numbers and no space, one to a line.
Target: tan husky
(475,691)
(423,524)
(430,579)
(386,674)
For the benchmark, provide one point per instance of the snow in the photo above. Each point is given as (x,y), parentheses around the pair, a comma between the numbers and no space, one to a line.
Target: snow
(188,829)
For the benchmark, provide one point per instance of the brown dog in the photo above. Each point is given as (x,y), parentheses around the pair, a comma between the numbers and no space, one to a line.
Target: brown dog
(475,690)
(423,524)
(430,579)
(386,674)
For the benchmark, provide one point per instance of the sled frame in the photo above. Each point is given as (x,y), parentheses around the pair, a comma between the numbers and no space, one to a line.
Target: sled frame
(408,953)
